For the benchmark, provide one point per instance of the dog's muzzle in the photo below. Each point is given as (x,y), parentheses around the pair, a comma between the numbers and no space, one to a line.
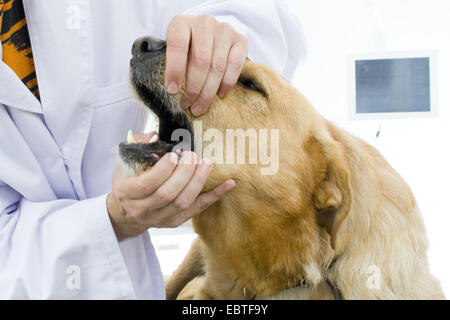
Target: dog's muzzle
(147,68)
(148,47)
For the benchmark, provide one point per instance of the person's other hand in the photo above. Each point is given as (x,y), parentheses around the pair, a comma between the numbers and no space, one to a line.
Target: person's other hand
(209,55)
(165,196)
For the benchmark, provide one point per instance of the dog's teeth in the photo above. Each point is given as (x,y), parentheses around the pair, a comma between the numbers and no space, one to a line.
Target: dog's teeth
(154,138)
(130,138)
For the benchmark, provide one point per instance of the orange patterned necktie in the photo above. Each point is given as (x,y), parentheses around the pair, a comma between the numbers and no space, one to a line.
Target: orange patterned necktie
(16,43)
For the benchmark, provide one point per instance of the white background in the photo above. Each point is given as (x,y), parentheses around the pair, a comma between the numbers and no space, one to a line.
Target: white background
(419,149)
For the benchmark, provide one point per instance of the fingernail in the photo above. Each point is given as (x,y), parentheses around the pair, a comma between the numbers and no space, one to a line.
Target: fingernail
(197,110)
(230,185)
(172,88)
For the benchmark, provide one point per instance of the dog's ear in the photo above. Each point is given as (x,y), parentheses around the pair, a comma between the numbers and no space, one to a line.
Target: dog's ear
(332,197)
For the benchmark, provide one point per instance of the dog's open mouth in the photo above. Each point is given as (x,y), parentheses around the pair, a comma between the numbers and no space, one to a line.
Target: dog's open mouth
(141,156)
(175,132)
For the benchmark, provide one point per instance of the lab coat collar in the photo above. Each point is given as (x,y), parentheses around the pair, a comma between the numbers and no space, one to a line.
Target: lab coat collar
(14,93)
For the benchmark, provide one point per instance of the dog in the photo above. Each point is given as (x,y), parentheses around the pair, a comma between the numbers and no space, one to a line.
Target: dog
(334,222)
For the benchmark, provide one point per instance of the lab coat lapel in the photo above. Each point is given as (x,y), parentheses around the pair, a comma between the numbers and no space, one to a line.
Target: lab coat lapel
(61,39)
(14,93)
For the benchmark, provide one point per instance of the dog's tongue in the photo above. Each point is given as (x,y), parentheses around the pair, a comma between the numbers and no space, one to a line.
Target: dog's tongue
(142,137)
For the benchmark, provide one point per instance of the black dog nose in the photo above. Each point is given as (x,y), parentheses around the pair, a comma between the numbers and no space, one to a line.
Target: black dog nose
(148,45)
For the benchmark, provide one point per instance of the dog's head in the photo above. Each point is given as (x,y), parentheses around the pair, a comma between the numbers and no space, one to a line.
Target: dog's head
(311,174)
(261,100)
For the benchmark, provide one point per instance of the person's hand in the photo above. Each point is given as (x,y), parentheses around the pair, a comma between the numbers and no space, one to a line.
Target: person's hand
(165,196)
(209,55)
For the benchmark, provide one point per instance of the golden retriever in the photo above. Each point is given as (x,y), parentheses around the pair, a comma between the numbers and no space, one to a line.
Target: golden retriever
(334,221)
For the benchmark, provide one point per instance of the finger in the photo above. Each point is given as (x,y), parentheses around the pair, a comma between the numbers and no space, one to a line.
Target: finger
(170,217)
(221,49)
(187,197)
(205,200)
(178,38)
(236,60)
(178,212)
(199,59)
(147,183)
(168,191)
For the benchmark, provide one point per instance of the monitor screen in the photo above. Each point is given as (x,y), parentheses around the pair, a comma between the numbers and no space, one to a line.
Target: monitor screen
(399,85)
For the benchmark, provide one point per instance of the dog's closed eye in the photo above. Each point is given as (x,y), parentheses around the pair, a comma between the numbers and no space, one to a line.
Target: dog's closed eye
(249,84)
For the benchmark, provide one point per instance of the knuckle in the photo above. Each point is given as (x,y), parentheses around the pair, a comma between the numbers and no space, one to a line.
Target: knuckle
(182,205)
(207,19)
(191,91)
(203,204)
(174,224)
(164,195)
(142,188)
(176,33)
(219,66)
(235,64)
(120,196)
(224,27)
(178,19)
(158,224)
(136,213)
(177,40)
(241,38)
(202,58)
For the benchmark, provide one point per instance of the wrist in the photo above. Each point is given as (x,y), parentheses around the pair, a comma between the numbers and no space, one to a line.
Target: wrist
(114,212)
(123,228)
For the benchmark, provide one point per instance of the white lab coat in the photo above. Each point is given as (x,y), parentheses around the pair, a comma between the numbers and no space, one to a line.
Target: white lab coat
(57,157)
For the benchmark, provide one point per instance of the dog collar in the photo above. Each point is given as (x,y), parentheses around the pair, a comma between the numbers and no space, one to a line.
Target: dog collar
(336,292)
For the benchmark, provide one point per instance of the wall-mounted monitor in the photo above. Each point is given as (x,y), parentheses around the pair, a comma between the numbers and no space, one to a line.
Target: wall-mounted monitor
(393,85)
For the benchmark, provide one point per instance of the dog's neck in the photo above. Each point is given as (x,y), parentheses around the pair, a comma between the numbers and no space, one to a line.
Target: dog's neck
(263,258)
(304,284)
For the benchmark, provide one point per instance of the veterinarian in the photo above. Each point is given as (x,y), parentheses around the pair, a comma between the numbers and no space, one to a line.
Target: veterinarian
(67,228)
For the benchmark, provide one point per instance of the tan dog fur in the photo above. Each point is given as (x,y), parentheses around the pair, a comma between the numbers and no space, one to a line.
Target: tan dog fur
(333,196)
